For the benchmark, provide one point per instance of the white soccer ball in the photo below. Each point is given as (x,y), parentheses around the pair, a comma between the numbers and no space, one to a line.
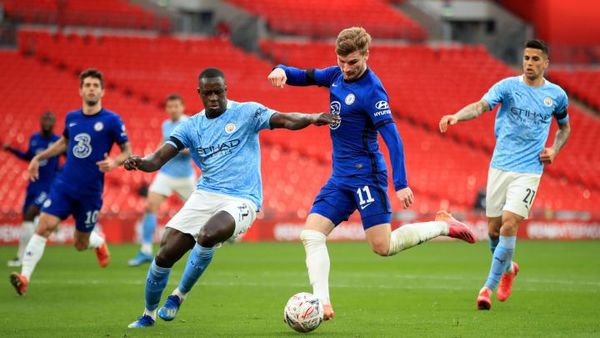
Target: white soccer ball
(303,312)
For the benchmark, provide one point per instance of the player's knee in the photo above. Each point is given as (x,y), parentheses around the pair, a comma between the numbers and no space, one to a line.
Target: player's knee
(163,259)
(381,248)
(81,245)
(209,237)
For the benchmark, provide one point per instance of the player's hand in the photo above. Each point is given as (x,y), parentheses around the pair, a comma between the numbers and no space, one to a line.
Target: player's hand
(34,169)
(322,119)
(5,146)
(406,197)
(107,164)
(447,120)
(133,162)
(547,155)
(277,77)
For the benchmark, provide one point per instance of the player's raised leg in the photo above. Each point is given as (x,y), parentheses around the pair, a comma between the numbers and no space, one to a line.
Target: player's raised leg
(314,238)
(501,259)
(173,246)
(148,227)
(219,228)
(34,252)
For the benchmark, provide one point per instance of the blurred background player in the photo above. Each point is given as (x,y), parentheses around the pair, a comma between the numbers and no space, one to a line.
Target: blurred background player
(177,176)
(359,178)
(89,135)
(37,191)
(229,194)
(528,103)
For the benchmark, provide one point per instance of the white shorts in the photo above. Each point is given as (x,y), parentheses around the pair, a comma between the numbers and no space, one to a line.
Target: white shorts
(510,191)
(165,185)
(202,205)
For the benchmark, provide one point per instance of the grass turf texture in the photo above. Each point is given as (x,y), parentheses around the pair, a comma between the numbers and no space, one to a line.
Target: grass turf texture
(427,291)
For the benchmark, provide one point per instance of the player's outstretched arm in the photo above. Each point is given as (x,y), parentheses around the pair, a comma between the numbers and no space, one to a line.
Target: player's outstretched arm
(295,121)
(153,161)
(109,164)
(55,149)
(26,156)
(560,139)
(469,112)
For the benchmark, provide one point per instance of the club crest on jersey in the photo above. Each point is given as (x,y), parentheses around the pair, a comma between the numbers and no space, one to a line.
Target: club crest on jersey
(98,126)
(230,128)
(548,101)
(335,108)
(350,98)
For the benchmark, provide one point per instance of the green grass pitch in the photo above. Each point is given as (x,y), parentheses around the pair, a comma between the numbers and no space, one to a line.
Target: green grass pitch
(428,291)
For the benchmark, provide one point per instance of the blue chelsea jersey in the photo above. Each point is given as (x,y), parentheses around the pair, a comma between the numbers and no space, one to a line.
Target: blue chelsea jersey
(227,149)
(48,168)
(90,139)
(523,122)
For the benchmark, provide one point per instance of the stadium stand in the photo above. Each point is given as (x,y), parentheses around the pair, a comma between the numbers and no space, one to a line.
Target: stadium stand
(300,18)
(583,83)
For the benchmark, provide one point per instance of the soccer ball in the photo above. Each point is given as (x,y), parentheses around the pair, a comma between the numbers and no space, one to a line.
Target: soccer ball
(303,312)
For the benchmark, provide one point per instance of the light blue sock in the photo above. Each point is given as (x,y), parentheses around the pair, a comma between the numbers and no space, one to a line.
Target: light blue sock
(156,281)
(148,227)
(502,256)
(493,243)
(197,262)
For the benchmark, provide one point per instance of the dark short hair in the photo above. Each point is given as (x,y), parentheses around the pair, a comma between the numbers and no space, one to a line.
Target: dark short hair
(208,73)
(48,114)
(537,44)
(91,72)
(174,97)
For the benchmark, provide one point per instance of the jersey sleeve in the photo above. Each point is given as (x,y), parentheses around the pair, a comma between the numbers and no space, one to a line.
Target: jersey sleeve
(260,117)
(495,94)
(310,77)
(179,137)
(560,114)
(377,106)
(119,131)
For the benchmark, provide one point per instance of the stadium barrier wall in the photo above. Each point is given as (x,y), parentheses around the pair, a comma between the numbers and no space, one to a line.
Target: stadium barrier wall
(126,230)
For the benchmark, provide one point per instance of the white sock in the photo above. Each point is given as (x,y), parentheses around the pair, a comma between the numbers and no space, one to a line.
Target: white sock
(33,254)
(179,294)
(96,240)
(410,235)
(151,313)
(146,248)
(27,230)
(317,262)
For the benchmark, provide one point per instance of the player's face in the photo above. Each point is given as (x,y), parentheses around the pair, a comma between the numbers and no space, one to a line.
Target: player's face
(175,109)
(47,122)
(353,65)
(535,63)
(91,91)
(213,93)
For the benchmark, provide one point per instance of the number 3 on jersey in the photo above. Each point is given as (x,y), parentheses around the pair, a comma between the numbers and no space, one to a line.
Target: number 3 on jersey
(83,148)
(364,203)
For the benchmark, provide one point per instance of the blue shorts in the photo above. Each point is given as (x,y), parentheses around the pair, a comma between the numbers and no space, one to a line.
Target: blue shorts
(340,196)
(85,209)
(35,195)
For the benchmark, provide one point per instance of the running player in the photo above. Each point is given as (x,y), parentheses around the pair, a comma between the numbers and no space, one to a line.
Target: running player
(88,138)
(224,137)
(37,191)
(528,103)
(359,177)
(177,176)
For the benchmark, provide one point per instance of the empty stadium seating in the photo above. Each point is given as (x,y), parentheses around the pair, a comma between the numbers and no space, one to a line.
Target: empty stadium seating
(326,18)
(583,83)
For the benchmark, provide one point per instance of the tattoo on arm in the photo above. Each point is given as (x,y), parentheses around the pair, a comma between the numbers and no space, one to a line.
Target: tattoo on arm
(473,110)
(561,137)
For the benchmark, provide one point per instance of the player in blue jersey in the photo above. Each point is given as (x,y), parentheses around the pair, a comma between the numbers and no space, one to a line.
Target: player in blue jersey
(225,146)
(37,191)
(528,104)
(177,176)
(89,135)
(359,177)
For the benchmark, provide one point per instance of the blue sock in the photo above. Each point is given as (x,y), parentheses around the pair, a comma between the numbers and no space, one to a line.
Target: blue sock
(493,243)
(197,262)
(156,281)
(148,226)
(502,257)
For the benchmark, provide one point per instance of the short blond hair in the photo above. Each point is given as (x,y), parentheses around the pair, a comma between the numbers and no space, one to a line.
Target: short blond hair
(352,39)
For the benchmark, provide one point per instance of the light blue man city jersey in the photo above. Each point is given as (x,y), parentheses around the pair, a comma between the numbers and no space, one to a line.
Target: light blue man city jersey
(227,149)
(181,164)
(523,122)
